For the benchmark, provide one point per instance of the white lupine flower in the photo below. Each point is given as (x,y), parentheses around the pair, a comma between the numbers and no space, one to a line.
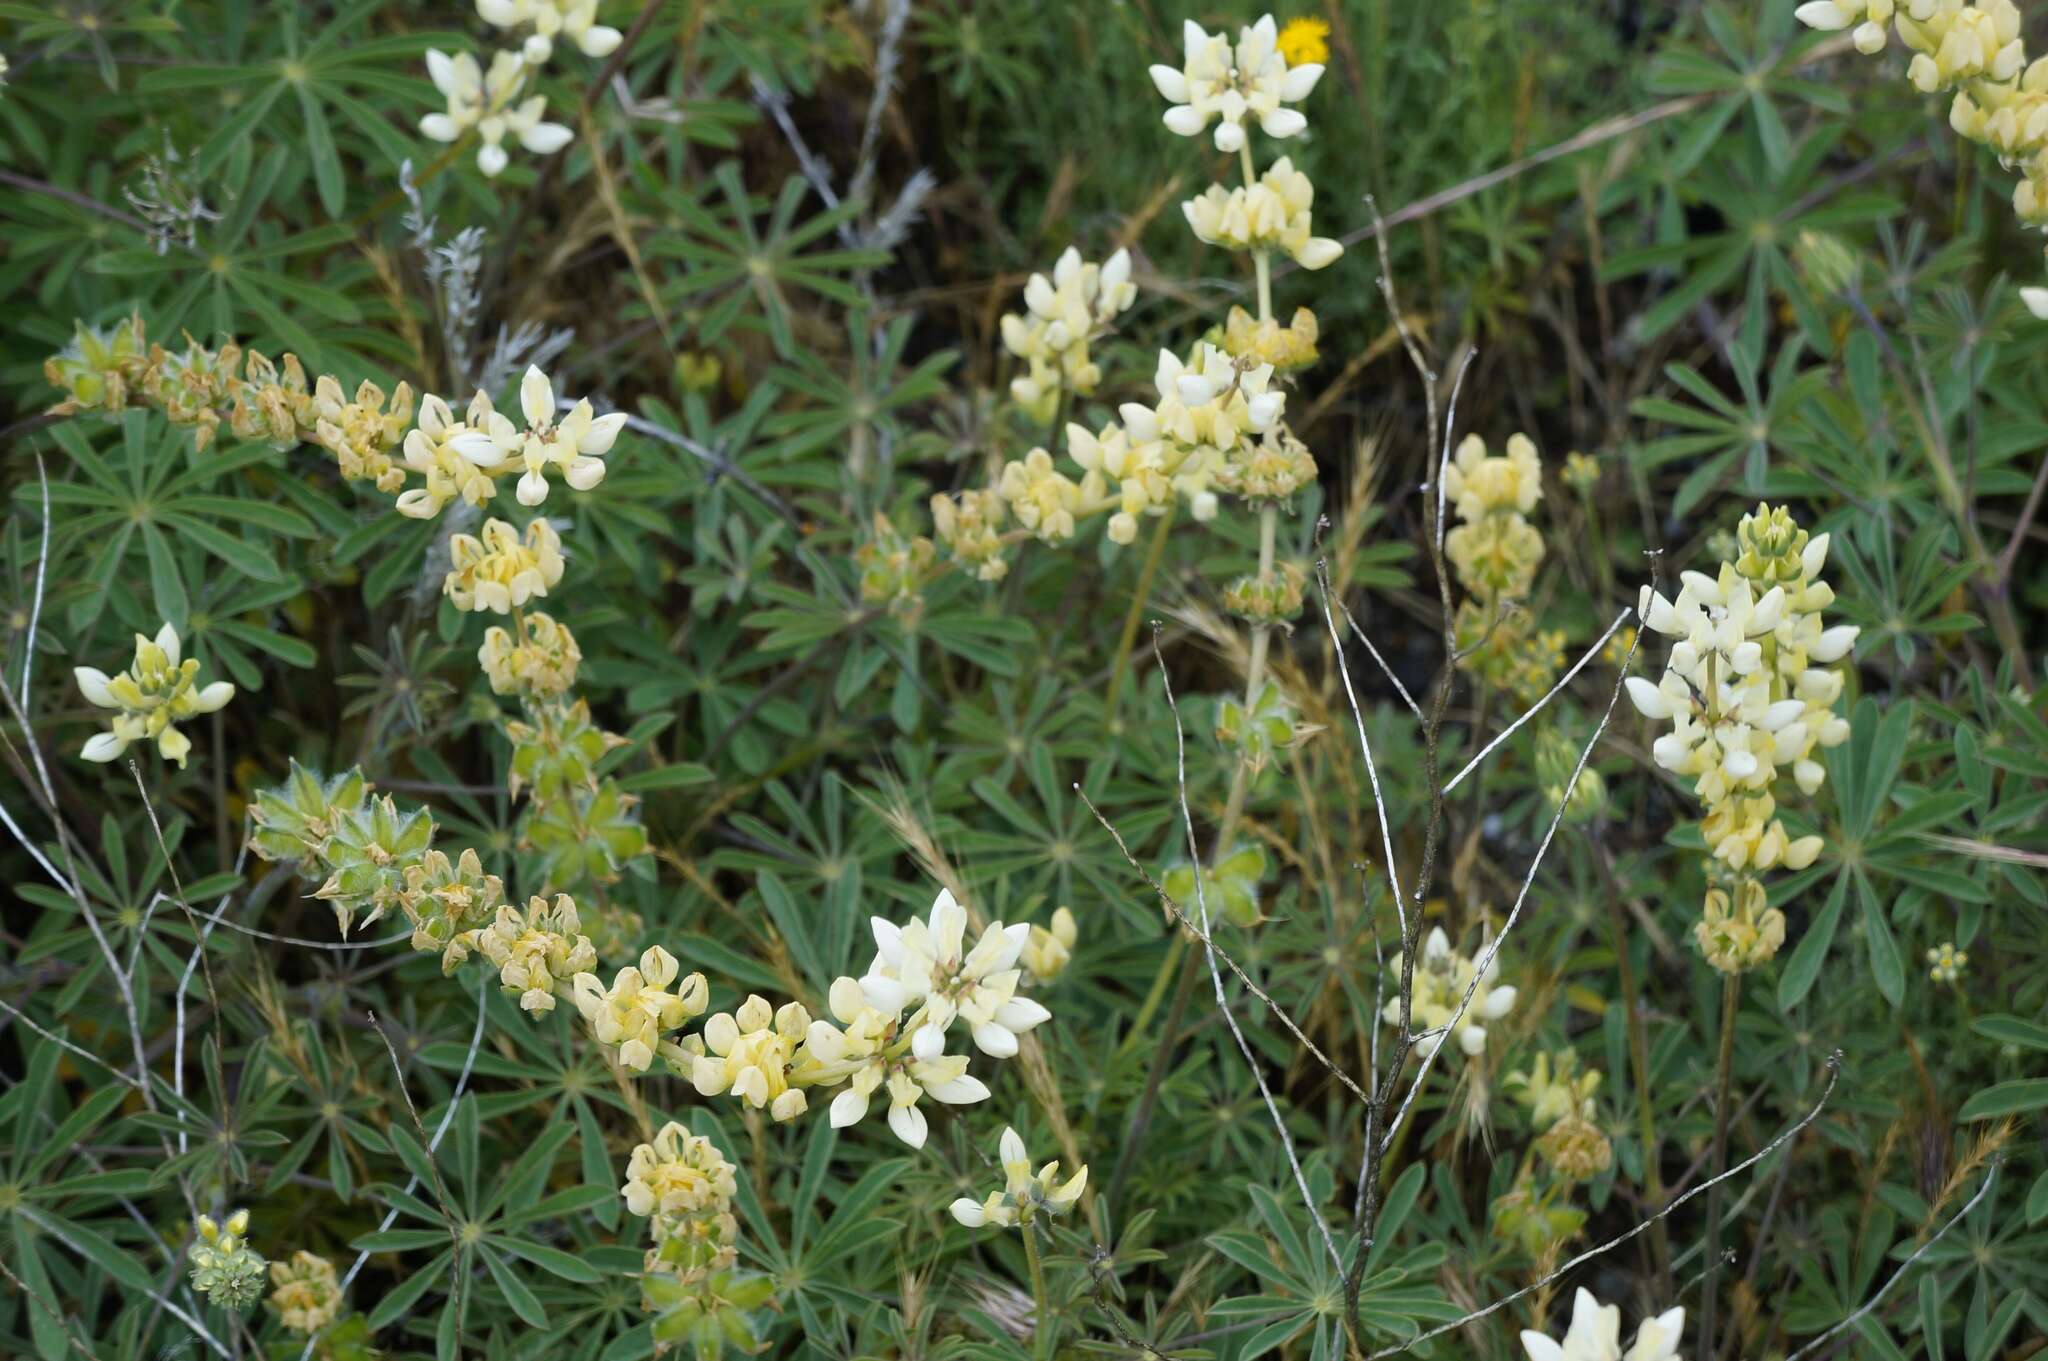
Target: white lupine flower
(1062,315)
(2036,300)
(1218,81)
(863,1051)
(158,691)
(1441,977)
(483,100)
(1025,1194)
(923,963)
(1595,1335)
(575,20)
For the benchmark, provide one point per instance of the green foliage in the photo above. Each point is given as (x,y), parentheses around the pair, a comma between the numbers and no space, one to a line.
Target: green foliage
(780,239)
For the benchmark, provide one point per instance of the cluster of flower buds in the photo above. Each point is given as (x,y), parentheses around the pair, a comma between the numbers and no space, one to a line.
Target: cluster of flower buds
(1561,1111)
(225,1269)
(158,691)
(499,569)
(369,858)
(306,1293)
(894,565)
(540,664)
(1061,316)
(637,1011)
(538,952)
(259,401)
(1442,976)
(1025,1194)
(684,1187)
(1262,729)
(1739,933)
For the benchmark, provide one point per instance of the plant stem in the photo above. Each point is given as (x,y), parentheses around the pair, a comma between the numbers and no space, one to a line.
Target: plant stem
(1731,997)
(1041,1311)
(1639,1066)
(1139,594)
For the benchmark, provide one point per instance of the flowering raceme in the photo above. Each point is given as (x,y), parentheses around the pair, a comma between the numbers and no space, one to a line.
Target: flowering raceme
(1749,692)
(1062,315)
(1225,83)
(156,693)
(1442,977)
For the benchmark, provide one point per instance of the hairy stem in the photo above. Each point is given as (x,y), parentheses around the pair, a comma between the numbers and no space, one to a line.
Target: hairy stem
(1042,1326)
(1731,997)
(1139,594)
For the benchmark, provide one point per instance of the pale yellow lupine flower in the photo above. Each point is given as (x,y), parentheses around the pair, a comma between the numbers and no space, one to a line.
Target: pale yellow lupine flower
(635,1013)
(499,570)
(1025,1194)
(158,691)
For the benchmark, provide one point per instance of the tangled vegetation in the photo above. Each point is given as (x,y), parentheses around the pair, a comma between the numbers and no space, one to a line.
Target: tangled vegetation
(867,678)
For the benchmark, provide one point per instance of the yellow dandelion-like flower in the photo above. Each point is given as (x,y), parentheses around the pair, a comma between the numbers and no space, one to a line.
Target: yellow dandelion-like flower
(1305,40)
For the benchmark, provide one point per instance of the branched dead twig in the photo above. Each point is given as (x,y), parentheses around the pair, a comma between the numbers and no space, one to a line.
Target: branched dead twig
(1834,1067)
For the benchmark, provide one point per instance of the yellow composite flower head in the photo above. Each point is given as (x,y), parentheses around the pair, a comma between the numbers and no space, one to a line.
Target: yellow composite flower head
(639,1008)
(1229,84)
(158,691)
(1025,1194)
(1304,40)
(500,570)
